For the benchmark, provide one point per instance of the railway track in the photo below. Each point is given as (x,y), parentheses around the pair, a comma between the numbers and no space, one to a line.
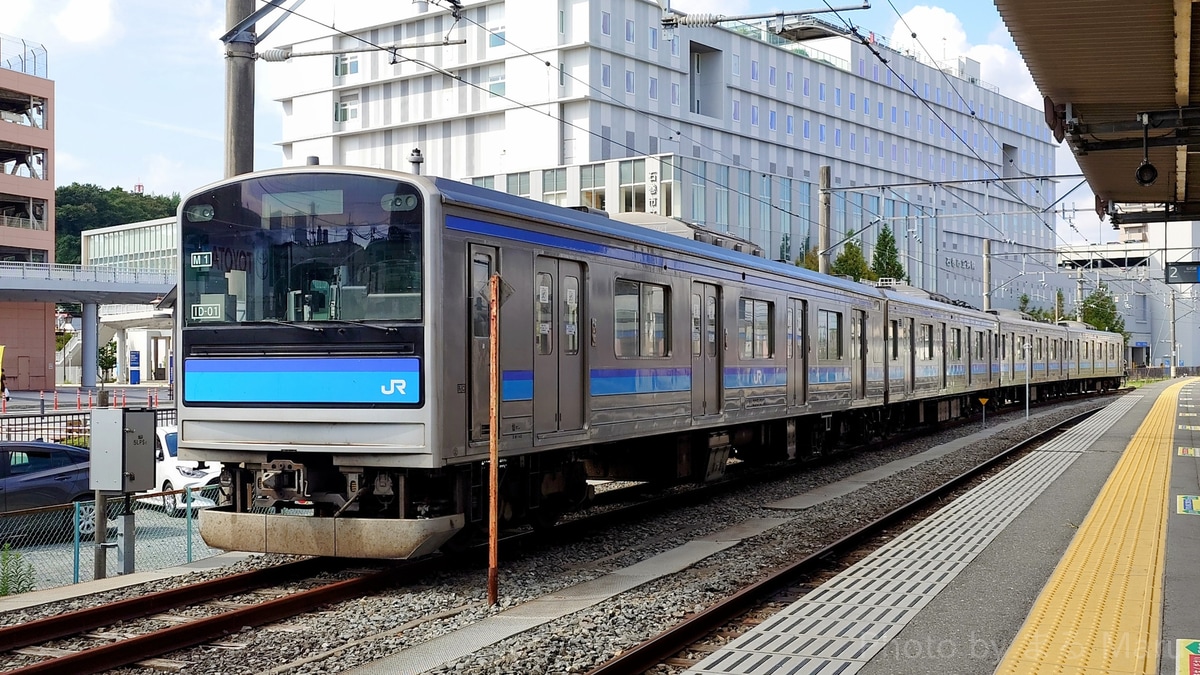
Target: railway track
(120,648)
(675,648)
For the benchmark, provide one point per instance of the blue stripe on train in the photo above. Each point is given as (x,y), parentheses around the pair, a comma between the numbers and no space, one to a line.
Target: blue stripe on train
(516,385)
(302,380)
(616,381)
(741,377)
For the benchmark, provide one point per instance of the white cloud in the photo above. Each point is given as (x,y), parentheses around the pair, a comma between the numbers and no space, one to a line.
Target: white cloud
(85,21)
(16,12)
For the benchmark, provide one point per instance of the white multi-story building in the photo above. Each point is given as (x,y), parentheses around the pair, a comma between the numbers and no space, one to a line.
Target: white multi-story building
(592,102)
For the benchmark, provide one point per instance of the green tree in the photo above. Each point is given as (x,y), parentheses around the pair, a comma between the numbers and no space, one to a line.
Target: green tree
(106,360)
(885,262)
(851,262)
(1100,311)
(809,259)
(79,208)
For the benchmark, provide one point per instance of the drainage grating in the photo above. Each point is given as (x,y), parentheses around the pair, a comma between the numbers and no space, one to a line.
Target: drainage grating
(840,626)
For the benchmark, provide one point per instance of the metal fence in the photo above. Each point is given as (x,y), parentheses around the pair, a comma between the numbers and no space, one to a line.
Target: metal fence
(67,428)
(56,546)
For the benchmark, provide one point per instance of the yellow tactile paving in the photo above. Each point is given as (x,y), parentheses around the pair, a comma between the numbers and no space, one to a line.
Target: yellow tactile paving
(1101,609)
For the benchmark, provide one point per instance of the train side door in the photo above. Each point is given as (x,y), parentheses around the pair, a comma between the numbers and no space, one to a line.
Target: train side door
(858,352)
(558,382)
(706,350)
(797,352)
(483,264)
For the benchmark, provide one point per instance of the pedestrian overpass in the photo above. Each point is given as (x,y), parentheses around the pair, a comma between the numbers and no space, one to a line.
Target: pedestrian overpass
(88,285)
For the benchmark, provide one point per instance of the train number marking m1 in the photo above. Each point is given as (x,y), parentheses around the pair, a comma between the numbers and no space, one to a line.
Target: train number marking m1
(393,387)
(202,259)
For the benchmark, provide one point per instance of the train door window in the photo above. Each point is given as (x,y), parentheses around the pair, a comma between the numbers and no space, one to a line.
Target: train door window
(956,343)
(1037,350)
(756,328)
(544,319)
(979,345)
(640,319)
(790,335)
(1004,347)
(829,335)
(697,324)
(895,339)
(571,315)
(481,272)
(710,325)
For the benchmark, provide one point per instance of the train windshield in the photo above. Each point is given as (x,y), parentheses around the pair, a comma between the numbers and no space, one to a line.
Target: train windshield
(302,248)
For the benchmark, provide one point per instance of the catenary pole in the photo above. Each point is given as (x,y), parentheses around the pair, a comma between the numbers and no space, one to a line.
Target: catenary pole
(239,91)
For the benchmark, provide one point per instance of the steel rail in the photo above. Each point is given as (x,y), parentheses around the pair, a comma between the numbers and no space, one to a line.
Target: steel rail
(654,651)
(133,650)
(74,623)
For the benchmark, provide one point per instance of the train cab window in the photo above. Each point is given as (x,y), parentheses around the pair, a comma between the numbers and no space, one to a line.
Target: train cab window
(756,328)
(895,339)
(927,341)
(829,335)
(640,312)
(955,345)
(571,315)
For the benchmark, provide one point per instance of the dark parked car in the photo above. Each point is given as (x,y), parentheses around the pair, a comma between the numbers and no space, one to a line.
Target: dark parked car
(34,474)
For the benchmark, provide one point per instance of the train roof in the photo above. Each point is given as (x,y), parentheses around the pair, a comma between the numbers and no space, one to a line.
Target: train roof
(472,195)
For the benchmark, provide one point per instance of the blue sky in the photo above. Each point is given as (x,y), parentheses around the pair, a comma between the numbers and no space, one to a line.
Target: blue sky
(140,83)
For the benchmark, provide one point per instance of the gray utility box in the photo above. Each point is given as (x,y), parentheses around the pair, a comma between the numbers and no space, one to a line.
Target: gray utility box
(122,450)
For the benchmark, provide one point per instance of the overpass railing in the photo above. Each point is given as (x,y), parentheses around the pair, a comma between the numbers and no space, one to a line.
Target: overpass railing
(92,273)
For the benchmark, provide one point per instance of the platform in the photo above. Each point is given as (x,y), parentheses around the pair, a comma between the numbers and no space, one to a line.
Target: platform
(1078,558)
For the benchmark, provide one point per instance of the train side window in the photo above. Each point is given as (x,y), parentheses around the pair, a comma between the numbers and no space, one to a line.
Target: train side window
(790,335)
(571,316)
(979,346)
(544,313)
(1037,350)
(640,312)
(895,339)
(927,340)
(697,324)
(757,328)
(955,343)
(829,335)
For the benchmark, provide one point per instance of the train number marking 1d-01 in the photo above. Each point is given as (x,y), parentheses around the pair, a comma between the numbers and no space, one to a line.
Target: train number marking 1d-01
(393,387)
(202,312)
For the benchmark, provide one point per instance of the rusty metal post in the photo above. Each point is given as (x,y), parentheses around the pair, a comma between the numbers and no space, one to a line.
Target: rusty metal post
(494,440)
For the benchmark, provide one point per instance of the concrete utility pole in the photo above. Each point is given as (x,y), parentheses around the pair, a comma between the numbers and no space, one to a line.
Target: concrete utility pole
(239,90)
(987,274)
(823,216)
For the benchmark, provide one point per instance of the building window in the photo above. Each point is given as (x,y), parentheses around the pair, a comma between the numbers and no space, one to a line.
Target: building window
(629,28)
(674,45)
(737,110)
(629,83)
(346,109)
(488,182)
(829,335)
(852,100)
(804,87)
(806,129)
(837,96)
(654,89)
(764,203)
(837,137)
(821,92)
(735,63)
(496,80)
(699,175)
(640,319)
(756,328)
(653,38)
(605,23)
(771,76)
(605,75)
(791,81)
(518,184)
(754,115)
(554,186)
(633,186)
(893,114)
(771,120)
(754,70)
(791,124)
(674,93)
(345,64)
(591,186)
(496,37)
(821,133)
(743,203)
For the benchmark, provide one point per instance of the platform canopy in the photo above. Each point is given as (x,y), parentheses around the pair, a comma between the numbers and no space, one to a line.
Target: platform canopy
(1120,85)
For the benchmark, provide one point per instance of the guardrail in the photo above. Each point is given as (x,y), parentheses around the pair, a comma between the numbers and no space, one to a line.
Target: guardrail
(85,273)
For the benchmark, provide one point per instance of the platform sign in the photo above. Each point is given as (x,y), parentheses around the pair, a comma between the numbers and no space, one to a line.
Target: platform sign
(1187,452)
(1189,504)
(1187,657)
(1183,273)
(983,401)
(1188,427)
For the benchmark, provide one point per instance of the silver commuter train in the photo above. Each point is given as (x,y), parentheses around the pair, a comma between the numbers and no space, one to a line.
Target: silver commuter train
(333,358)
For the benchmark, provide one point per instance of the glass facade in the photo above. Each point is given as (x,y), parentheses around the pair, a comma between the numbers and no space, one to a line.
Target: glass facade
(147,246)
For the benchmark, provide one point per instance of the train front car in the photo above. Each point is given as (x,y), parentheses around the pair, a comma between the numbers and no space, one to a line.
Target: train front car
(305,359)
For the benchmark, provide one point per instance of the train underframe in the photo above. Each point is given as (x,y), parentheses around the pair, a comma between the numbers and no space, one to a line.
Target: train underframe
(377,512)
